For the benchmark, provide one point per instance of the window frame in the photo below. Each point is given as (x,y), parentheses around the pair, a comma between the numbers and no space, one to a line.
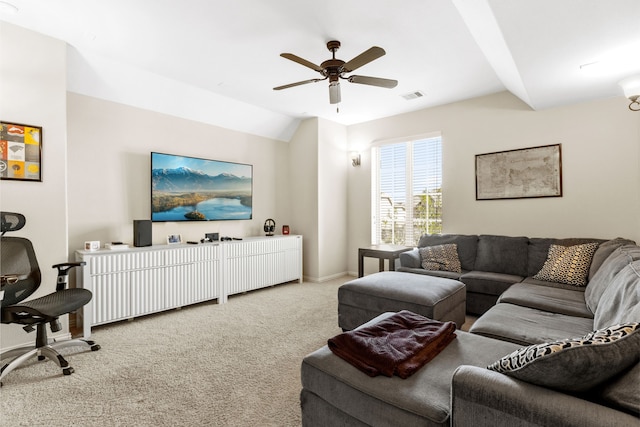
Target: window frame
(376,184)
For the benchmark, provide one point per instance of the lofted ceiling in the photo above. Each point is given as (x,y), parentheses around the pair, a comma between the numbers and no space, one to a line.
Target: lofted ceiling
(189,57)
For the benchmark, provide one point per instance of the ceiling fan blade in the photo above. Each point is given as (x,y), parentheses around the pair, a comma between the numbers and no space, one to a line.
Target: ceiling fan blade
(373,81)
(304,82)
(334,92)
(302,61)
(364,58)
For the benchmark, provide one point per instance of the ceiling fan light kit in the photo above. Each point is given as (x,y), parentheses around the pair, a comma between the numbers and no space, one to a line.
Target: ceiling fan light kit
(334,92)
(335,69)
(631,88)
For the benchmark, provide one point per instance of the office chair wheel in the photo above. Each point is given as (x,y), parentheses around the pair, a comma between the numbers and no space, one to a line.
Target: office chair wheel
(41,358)
(95,347)
(64,363)
(67,371)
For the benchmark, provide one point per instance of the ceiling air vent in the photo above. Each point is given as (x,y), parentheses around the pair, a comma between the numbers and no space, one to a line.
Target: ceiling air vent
(413,95)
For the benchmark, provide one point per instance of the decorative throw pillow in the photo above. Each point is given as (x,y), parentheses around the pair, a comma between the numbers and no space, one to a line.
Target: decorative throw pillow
(568,264)
(575,364)
(441,257)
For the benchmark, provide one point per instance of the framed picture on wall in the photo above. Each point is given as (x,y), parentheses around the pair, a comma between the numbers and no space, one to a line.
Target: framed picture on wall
(517,174)
(20,152)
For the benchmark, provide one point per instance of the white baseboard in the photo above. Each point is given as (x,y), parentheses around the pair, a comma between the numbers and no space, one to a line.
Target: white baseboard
(326,278)
(57,337)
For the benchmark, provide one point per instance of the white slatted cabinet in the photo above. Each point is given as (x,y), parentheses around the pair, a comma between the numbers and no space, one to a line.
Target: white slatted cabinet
(138,281)
(255,264)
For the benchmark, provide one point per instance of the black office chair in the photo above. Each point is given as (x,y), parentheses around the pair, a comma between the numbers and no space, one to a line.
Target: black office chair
(19,278)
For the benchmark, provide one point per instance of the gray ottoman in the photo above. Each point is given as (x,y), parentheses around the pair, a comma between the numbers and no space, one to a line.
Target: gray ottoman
(437,298)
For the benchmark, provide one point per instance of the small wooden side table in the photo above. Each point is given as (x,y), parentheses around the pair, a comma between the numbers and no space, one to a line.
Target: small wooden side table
(382,252)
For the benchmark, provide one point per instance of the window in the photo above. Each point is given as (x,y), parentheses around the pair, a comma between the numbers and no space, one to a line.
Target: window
(407,190)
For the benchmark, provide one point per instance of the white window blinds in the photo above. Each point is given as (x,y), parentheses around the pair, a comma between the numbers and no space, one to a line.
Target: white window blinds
(407,191)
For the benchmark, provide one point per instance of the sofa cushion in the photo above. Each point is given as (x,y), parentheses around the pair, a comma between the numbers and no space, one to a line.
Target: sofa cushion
(525,325)
(568,264)
(620,302)
(623,391)
(546,298)
(615,262)
(538,252)
(575,364)
(486,282)
(605,249)
(481,397)
(467,245)
(502,254)
(440,257)
(533,281)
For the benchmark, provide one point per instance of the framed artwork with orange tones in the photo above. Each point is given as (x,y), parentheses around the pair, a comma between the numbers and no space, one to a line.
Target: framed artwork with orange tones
(20,152)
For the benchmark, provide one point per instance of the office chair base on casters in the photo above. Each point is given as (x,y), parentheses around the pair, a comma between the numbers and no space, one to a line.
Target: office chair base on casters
(20,277)
(49,351)
(75,342)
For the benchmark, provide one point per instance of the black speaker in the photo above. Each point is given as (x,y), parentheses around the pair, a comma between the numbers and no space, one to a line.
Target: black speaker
(141,232)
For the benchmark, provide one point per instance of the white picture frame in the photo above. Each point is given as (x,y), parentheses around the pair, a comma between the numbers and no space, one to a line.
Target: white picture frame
(174,239)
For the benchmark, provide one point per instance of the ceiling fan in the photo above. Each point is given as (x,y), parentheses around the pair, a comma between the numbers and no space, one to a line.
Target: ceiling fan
(335,69)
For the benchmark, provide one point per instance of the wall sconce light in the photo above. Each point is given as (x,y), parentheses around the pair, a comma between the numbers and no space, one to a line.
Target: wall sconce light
(355,159)
(631,88)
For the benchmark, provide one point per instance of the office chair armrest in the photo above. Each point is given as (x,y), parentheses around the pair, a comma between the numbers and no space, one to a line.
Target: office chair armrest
(63,273)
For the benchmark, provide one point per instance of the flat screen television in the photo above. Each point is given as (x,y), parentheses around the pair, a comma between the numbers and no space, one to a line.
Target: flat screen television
(193,189)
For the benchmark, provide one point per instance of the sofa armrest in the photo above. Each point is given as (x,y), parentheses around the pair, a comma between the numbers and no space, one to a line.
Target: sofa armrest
(481,397)
(410,259)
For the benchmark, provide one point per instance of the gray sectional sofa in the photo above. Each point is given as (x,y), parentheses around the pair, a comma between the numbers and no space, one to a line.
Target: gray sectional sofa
(578,384)
(491,264)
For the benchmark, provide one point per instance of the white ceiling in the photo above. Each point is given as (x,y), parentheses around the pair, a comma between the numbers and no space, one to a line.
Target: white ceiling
(227,53)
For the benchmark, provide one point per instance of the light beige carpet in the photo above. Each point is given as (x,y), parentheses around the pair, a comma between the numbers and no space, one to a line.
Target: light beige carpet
(234,364)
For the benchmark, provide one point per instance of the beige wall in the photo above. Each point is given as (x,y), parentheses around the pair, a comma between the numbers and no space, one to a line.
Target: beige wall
(301,183)
(33,91)
(318,171)
(600,164)
(303,167)
(109,171)
(333,161)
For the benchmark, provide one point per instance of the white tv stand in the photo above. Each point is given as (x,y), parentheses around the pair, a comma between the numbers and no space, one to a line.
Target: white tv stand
(133,282)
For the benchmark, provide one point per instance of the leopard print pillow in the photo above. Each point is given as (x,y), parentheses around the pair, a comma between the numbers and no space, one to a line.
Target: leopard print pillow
(575,364)
(568,264)
(440,257)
